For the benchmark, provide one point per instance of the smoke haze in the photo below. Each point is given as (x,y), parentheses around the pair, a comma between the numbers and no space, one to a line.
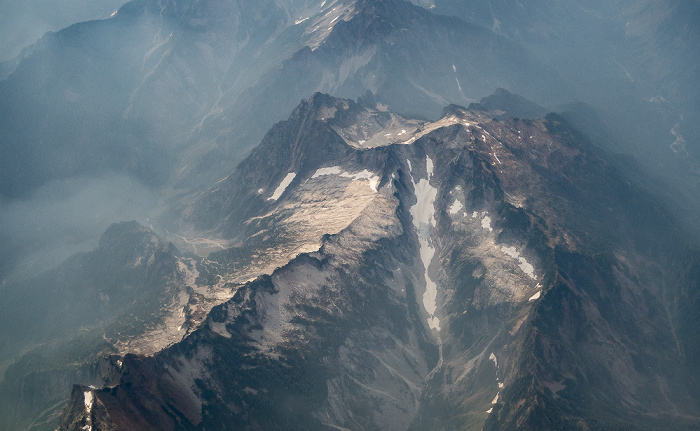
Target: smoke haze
(65,217)
(23,22)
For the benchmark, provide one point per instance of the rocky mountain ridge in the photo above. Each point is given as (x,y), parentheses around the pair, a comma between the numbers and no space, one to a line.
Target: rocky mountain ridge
(373,263)
(448,301)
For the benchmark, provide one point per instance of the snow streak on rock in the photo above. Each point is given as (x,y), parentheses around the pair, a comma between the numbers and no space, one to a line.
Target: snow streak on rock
(283,186)
(456,206)
(424,221)
(363,175)
(321,25)
(524,265)
(486,223)
(88,410)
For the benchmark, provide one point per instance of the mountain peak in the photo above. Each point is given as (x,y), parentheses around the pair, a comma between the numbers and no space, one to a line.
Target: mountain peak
(377,277)
(505,104)
(374,20)
(128,235)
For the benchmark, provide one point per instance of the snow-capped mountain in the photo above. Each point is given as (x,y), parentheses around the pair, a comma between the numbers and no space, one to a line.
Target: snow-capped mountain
(464,273)
(421,244)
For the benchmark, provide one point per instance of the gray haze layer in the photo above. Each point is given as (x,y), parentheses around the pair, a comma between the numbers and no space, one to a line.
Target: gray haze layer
(23,22)
(64,217)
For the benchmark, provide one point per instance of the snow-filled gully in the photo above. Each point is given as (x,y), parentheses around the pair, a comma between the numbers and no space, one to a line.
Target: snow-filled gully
(424,221)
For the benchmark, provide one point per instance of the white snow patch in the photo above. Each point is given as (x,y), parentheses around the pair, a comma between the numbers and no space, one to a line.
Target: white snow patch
(535,296)
(489,410)
(494,359)
(527,268)
(409,165)
(510,251)
(260,191)
(333,170)
(495,400)
(524,265)
(475,214)
(300,21)
(500,385)
(87,395)
(88,401)
(456,206)
(424,220)
(454,68)
(283,186)
(363,175)
(486,223)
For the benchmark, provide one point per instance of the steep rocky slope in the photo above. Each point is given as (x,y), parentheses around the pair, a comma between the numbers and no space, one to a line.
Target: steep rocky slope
(126,295)
(467,273)
(134,293)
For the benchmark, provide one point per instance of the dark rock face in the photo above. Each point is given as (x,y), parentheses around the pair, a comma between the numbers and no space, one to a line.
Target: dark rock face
(496,274)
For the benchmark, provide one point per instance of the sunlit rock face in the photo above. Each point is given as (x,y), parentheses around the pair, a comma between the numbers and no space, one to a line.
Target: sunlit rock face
(386,273)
